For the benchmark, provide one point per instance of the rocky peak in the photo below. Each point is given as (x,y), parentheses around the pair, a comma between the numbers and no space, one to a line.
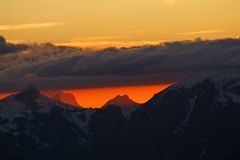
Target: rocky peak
(121,101)
(122,97)
(30,92)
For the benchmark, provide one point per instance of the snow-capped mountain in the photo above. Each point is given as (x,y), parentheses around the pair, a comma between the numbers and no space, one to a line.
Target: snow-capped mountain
(197,119)
(33,125)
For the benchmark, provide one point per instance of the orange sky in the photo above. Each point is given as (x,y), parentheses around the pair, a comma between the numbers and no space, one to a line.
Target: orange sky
(3,95)
(97,97)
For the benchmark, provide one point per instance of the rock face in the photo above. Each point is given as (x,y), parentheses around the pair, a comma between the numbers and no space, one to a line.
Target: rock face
(197,120)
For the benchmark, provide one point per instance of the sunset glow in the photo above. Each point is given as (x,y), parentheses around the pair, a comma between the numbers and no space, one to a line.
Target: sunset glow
(99,96)
(120,79)
(3,95)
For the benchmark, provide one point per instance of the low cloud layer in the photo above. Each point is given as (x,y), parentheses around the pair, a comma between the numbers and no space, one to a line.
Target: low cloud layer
(52,67)
(10,48)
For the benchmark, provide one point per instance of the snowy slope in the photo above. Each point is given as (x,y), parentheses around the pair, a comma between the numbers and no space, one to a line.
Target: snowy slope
(33,122)
(29,101)
(197,119)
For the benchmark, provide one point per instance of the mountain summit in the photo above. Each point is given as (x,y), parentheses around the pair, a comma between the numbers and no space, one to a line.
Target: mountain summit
(122,101)
(66,98)
(61,96)
(30,92)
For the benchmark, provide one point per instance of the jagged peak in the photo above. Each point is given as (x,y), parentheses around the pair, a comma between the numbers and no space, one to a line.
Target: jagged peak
(123,101)
(30,89)
(218,80)
(29,92)
(122,96)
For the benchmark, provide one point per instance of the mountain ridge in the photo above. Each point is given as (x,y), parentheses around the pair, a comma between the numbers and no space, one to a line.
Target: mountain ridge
(192,120)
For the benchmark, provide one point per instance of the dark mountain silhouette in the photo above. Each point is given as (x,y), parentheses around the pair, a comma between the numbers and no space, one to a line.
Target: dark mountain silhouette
(126,104)
(122,101)
(197,119)
(66,98)
(62,96)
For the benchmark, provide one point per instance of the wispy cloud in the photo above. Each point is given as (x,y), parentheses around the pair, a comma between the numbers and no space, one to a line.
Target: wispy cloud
(138,31)
(97,38)
(100,42)
(105,44)
(200,32)
(28,26)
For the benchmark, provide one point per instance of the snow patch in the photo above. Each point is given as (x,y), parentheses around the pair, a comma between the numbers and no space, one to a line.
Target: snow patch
(222,98)
(235,98)
(190,108)
(127,111)
(12,110)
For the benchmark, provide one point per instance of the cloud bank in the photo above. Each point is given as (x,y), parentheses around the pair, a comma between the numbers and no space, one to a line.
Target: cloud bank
(10,48)
(52,67)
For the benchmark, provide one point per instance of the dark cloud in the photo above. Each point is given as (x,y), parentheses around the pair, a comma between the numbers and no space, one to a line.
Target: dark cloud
(10,48)
(201,56)
(165,63)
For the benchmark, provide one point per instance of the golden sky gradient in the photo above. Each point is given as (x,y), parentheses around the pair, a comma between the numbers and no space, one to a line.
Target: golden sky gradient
(118,23)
